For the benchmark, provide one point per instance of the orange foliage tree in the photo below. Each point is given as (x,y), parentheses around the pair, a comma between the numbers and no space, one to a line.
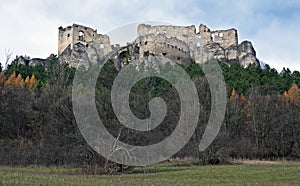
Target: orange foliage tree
(18,81)
(2,79)
(234,95)
(293,93)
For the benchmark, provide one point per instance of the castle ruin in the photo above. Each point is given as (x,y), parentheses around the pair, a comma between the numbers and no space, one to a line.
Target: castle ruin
(181,44)
(71,35)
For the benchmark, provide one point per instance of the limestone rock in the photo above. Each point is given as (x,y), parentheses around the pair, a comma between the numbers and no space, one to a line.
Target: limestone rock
(77,56)
(231,53)
(213,50)
(246,54)
(32,62)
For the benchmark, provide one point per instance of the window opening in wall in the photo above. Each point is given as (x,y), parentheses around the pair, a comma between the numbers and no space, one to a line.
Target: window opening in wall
(164,54)
(212,36)
(220,34)
(178,58)
(146,53)
(146,42)
(80,36)
(68,35)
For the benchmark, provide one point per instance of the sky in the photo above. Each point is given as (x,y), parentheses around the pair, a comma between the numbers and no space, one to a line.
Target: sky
(30,27)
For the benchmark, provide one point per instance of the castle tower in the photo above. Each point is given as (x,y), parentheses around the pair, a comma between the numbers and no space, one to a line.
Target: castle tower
(74,34)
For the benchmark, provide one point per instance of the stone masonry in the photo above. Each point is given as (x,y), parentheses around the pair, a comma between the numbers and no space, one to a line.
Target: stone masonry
(182,44)
(200,47)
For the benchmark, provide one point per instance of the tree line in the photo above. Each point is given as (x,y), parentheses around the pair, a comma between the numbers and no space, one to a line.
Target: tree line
(37,125)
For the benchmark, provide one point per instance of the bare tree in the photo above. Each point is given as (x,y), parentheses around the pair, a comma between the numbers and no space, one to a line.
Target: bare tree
(8,55)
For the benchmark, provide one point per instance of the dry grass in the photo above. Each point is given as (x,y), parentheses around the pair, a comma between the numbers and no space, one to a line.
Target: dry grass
(249,162)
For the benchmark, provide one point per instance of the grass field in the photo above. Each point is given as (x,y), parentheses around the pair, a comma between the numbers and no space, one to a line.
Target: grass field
(283,173)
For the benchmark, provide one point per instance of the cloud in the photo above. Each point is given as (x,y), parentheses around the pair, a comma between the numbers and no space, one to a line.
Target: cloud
(30,27)
(26,30)
(278,45)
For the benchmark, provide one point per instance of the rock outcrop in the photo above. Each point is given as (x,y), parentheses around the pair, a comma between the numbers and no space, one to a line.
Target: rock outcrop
(246,54)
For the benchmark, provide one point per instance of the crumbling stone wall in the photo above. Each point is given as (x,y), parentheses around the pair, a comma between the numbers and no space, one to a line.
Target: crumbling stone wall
(202,46)
(74,34)
(180,32)
(178,43)
(71,36)
(161,45)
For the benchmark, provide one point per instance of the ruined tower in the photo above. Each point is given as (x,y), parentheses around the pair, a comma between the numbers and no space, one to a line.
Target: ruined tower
(74,34)
(76,38)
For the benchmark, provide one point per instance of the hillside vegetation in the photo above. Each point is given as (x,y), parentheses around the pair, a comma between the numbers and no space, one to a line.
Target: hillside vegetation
(37,125)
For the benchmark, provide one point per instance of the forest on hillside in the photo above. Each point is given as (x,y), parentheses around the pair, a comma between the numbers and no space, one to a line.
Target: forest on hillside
(37,125)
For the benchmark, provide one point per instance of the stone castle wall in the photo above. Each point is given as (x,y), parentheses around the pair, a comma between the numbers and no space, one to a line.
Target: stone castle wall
(178,43)
(160,45)
(196,42)
(74,34)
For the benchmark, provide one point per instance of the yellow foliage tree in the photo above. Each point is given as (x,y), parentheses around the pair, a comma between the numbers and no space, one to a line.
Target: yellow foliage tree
(242,97)
(293,93)
(11,80)
(2,79)
(19,81)
(234,95)
(32,82)
(27,82)
(285,94)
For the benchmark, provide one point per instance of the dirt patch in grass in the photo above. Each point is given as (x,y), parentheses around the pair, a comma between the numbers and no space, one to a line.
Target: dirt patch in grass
(247,161)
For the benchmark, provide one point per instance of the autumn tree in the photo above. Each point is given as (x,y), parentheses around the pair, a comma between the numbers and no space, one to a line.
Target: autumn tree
(234,95)
(32,82)
(11,80)
(19,81)
(293,93)
(2,79)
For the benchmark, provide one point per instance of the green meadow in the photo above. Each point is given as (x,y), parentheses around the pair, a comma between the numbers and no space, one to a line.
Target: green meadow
(279,173)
